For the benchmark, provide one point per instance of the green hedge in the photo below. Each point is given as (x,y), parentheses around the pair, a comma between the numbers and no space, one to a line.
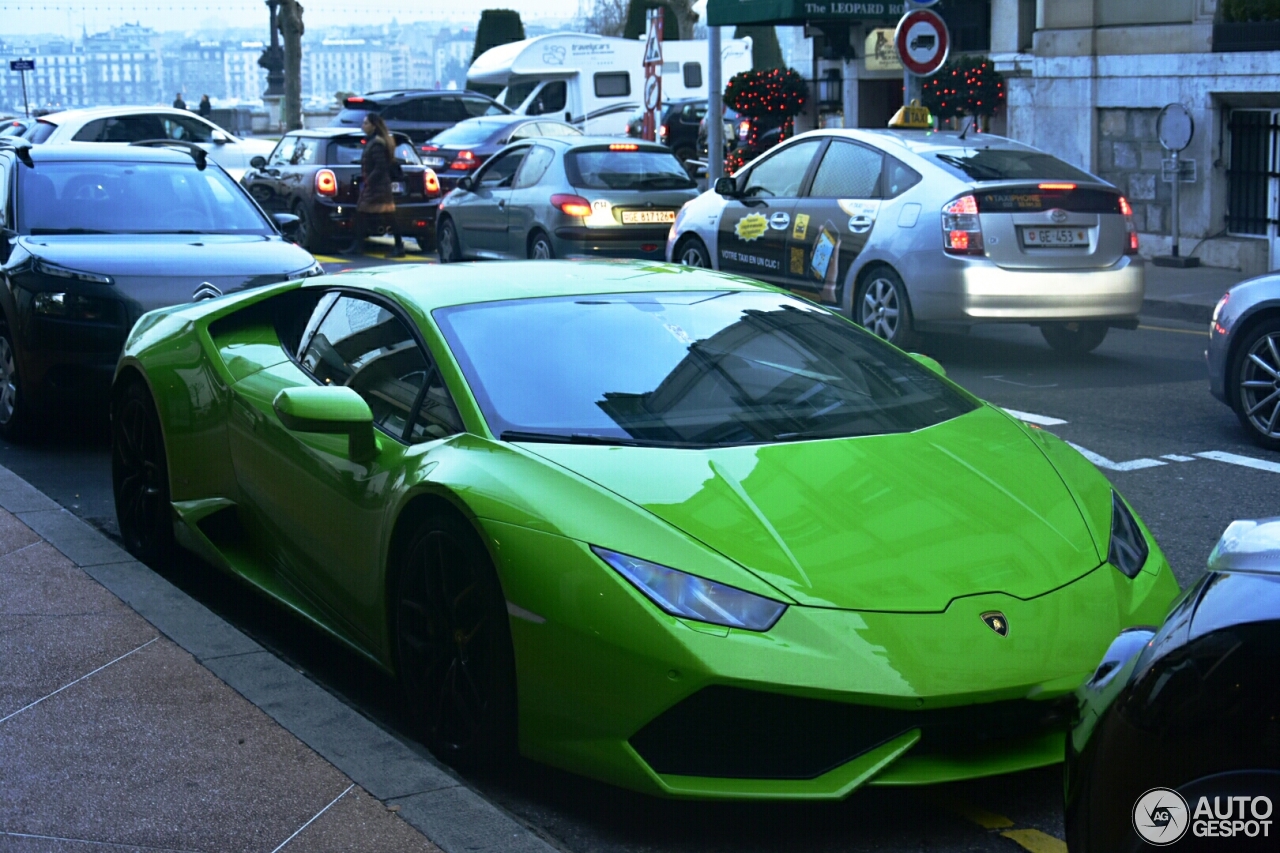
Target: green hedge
(1245,11)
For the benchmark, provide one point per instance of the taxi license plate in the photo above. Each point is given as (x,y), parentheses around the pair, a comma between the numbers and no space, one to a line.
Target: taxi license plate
(433,162)
(397,187)
(1050,238)
(635,217)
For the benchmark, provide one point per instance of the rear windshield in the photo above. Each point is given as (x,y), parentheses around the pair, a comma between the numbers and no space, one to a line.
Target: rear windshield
(354,116)
(687,370)
(348,150)
(1008,164)
(464,133)
(643,169)
(94,197)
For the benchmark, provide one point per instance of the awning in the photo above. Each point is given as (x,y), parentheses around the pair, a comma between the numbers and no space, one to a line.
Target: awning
(727,13)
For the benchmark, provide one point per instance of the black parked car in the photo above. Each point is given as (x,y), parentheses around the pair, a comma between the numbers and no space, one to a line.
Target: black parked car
(315,175)
(1177,738)
(463,148)
(96,236)
(418,113)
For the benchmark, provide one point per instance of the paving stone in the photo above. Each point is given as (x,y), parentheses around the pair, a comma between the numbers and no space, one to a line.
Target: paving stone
(14,534)
(353,822)
(16,843)
(80,542)
(461,821)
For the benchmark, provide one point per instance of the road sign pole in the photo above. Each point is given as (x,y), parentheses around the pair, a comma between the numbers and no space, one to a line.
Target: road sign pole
(25,104)
(1174,225)
(715,108)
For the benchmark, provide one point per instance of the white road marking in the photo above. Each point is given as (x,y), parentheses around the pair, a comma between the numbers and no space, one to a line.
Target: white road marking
(1173,457)
(1243,461)
(1104,462)
(1039,420)
(1000,378)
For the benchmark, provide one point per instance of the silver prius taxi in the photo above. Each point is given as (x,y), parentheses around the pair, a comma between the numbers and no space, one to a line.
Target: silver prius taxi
(910,231)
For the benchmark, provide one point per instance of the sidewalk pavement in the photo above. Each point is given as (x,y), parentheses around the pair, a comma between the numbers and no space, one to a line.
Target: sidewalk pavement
(1186,294)
(134,719)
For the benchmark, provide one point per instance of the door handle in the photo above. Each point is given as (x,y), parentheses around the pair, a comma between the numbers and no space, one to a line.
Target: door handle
(501,204)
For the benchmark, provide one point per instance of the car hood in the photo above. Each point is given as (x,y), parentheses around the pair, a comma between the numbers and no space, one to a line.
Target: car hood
(904,522)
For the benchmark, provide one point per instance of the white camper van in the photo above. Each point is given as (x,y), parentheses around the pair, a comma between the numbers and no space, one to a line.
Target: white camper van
(593,81)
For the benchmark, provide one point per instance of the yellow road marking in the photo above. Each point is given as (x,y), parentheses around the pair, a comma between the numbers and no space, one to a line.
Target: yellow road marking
(1203,334)
(1036,841)
(972,813)
(329,259)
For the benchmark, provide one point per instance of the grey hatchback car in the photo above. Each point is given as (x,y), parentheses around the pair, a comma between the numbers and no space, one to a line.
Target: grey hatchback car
(566,197)
(909,231)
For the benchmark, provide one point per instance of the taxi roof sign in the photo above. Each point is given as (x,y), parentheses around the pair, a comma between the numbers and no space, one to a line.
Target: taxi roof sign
(912,116)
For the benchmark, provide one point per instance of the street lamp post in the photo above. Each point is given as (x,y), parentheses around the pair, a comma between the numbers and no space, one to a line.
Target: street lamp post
(272,59)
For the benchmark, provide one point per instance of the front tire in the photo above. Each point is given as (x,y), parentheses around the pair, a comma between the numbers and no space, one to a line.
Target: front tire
(692,252)
(540,248)
(140,475)
(880,306)
(307,236)
(16,416)
(447,247)
(453,644)
(1074,338)
(1255,370)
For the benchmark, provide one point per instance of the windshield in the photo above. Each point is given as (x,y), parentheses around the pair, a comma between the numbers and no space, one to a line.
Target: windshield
(644,169)
(96,197)
(465,133)
(687,369)
(515,94)
(1008,164)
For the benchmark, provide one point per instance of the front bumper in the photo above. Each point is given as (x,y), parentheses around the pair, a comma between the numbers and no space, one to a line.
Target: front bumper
(612,688)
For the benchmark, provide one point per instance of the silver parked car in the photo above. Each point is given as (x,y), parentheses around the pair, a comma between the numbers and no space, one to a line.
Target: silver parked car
(909,231)
(1244,356)
(566,197)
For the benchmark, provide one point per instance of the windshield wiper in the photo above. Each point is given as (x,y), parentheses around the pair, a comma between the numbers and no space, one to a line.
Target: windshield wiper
(585,438)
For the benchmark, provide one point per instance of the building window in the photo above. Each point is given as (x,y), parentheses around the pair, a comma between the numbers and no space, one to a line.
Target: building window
(1255,157)
(969,22)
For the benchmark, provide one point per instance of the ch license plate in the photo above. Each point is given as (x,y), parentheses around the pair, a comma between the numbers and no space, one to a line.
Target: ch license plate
(636,217)
(1054,237)
(397,187)
(433,162)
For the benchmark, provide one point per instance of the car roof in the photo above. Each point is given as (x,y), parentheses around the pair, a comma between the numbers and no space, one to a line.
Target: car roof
(89,113)
(587,141)
(92,151)
(328,132)
(387,96)
(432,286)
(920,141)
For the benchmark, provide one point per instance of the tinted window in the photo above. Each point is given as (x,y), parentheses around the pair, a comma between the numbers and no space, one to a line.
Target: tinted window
(131,129)
(353,116)
(91,132)
(550,99)
(847,171)
(500,169)
(4,195)
(612,84)
(444,110)
(1008,164)
(898,177)
(693,113)
(645,169)
(365,347)
(693,75)
(534,166)
(701,369)
(782,173)
(464,133)
(482,107)
(39,132)
(117,198)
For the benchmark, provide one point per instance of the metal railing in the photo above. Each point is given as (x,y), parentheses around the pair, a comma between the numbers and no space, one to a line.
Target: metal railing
(1255,162)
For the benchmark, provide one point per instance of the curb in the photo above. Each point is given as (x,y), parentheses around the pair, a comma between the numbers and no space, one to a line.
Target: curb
(431,799)
(1186,311)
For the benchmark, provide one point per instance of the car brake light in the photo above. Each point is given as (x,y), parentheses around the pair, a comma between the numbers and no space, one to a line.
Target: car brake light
(1131,232)
(463,161)
(430,148)
(961,228)
(572,205)
(625,146)
(355,99)
(430,182)
(326,183)
(662,130)
(1058,186)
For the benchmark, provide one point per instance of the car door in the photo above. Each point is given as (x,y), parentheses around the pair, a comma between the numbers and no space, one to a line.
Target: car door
(527,198)
(266,184)
(315,513)
(753,226)
(833,220)
(481,214)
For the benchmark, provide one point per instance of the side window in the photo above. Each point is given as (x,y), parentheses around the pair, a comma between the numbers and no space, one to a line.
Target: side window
(283,154)
(534,167)
(781,174)
(550,99)
(500,169)
(898,177)
(406,155)
(304,153)
(94,131)
(612,84)
(525,131)
(4,195)
(479,107)
(397,112)
(186,129)
(692,75)
(848,171)
(692,113)
(555,128)
(131,129)
(365,347)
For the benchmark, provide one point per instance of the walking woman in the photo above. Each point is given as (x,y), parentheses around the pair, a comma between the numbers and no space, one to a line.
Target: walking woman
(376,206)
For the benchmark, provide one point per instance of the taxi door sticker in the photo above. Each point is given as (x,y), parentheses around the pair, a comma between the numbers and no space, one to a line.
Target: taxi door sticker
(824,262)
(861,213)
(801,229)
(751,227)
(797,261)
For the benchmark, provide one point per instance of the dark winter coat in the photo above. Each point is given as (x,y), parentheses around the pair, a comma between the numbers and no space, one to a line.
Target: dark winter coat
(375,178)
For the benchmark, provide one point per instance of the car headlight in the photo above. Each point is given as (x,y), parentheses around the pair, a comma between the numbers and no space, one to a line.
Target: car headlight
(46,268)
(314,269)
(691,597)
(1128,549)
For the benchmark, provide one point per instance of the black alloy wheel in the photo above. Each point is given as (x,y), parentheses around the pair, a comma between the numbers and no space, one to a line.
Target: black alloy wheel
(140,475)
(1256,372)
(447,242)
(692,252)
(880,306)
(1075,338)
(540,248)
(15,415)
(308,237)
(453,644)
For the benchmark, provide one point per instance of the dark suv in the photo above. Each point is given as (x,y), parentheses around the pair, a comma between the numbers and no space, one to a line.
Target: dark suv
(418,113)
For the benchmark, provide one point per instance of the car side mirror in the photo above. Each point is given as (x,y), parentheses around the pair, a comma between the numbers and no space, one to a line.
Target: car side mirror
(7,236)
(726,187)
(1247,545)
(931,363)
(220,138)
(466,185)
(329,409)
(568,116)
(258,162)
(287,223)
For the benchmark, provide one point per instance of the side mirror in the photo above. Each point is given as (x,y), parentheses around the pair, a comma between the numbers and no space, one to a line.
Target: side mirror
(329,409)
(930,363)
(568,116)
(466,185)
(7,236)
(220,138)
(1247,545)
(258,162)
(726,187)
(287,223)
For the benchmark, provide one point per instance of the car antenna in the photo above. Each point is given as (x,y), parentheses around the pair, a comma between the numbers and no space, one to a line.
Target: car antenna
(967,125)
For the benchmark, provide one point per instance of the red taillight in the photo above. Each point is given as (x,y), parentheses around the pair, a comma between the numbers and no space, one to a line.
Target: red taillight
(430,182)
(572,205)
(961,228)
(355,99)
(427,149)
(1126,210)
(463,161)
(625,146)
(1125,207)
(662,130)
(1058,186)
(326,183)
